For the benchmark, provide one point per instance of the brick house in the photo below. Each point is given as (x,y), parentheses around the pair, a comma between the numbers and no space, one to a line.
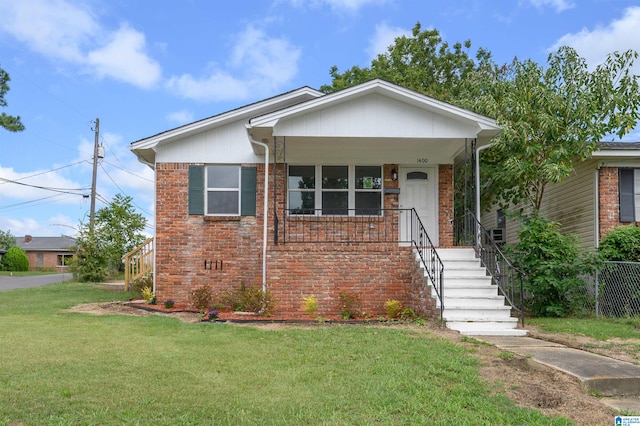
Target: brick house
(352,179)
(50,253)
(602,193)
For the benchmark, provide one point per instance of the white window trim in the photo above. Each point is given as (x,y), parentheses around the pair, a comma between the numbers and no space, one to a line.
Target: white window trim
(208,189)
(351,176)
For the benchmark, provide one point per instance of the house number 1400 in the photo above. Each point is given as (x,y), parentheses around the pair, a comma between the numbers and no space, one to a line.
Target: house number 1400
(422,160)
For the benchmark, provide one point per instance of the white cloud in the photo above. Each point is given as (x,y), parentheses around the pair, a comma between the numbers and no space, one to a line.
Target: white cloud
(384,37)
(180,117)
(594,45)
(70,33)
(258,65)
(123,58)
(350,5)
(21,186)
(53,28)
(558,5)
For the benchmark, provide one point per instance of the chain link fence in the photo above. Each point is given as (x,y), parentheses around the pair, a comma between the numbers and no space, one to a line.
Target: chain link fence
(614,291)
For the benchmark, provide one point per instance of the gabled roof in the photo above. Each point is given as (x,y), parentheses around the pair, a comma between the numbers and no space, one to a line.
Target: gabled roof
(141,147)
(487,125)
(29,243)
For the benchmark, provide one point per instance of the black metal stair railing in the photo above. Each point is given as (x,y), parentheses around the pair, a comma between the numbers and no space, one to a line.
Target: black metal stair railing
(509,279)
(428,255)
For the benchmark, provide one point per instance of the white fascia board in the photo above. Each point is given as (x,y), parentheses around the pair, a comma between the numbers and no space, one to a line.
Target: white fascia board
(613,153)
(233,115)
(385,88)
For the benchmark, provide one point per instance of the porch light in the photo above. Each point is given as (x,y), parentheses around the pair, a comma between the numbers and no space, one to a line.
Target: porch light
(394,174)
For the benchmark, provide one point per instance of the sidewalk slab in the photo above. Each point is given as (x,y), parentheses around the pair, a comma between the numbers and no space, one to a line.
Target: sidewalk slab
(607,376)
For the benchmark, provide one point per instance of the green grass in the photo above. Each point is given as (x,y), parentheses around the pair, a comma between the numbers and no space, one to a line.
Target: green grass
(71,368)
(597,328)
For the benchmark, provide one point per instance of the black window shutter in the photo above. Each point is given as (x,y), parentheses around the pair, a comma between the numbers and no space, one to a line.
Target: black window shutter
(248,191)
(196,189)
(627,198)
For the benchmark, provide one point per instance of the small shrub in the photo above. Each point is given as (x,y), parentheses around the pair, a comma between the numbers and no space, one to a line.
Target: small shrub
(212,315)
(349,305)
(310,305)
(392,308)
(140,283)
(15,260)
(249,299)
(553,264)
(147,294)
(169,304)
(407,314)
(201,298)
(622,244)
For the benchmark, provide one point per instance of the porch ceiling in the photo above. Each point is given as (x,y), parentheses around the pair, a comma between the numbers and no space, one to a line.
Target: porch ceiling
(342,150)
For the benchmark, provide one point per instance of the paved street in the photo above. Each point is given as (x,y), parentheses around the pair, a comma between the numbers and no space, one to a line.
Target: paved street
(10,283)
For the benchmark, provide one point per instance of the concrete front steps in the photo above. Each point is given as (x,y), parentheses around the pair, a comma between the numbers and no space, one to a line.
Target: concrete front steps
(472,304)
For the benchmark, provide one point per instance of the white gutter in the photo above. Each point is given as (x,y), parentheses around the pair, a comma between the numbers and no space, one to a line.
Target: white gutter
(266,206)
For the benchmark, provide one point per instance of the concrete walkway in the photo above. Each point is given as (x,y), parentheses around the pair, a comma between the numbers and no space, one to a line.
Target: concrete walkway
(617,381)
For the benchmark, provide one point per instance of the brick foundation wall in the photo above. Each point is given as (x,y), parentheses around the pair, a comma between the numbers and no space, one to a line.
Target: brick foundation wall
(375,273)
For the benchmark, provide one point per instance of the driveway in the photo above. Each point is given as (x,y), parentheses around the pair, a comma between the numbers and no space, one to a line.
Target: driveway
(10,283)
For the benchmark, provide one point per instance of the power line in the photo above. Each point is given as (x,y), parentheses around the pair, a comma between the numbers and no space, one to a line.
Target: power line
(13,206)
(117,186)
(41,173)
(46,188)
(127,171)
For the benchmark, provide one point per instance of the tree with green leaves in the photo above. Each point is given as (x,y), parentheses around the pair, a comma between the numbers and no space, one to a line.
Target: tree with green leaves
(117,231)
(551,118)
(7,240)
(11,123)
(422,62)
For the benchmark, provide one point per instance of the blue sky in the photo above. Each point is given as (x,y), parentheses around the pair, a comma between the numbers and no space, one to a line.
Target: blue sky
(146,66)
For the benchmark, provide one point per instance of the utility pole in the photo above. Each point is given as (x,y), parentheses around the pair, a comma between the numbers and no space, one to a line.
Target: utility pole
(92,214)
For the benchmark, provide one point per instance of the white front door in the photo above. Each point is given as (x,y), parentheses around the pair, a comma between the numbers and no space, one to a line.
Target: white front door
(418,190)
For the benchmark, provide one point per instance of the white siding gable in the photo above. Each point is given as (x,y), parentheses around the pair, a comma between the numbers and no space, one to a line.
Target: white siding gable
(374,115)
(228,143)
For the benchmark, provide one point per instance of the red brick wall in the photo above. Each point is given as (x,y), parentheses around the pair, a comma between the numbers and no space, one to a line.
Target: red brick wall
(184,242)
(49,261)
(445,210)
(377,272)
(374,272)
(608,200)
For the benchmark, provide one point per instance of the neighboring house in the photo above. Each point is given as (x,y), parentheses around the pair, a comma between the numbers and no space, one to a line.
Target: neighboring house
(341,171)
(51,253)
(602,193)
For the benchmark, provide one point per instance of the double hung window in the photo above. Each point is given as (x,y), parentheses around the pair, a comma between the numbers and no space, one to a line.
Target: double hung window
(335,190)
(222,190)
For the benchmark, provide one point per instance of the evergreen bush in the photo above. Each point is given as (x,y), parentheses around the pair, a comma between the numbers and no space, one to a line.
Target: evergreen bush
(15,259)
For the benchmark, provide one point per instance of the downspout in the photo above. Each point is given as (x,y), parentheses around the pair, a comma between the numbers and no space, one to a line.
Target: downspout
(266,207)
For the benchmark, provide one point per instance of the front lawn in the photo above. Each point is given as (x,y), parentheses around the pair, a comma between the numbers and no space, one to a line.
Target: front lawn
(597,328)
(60,367)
